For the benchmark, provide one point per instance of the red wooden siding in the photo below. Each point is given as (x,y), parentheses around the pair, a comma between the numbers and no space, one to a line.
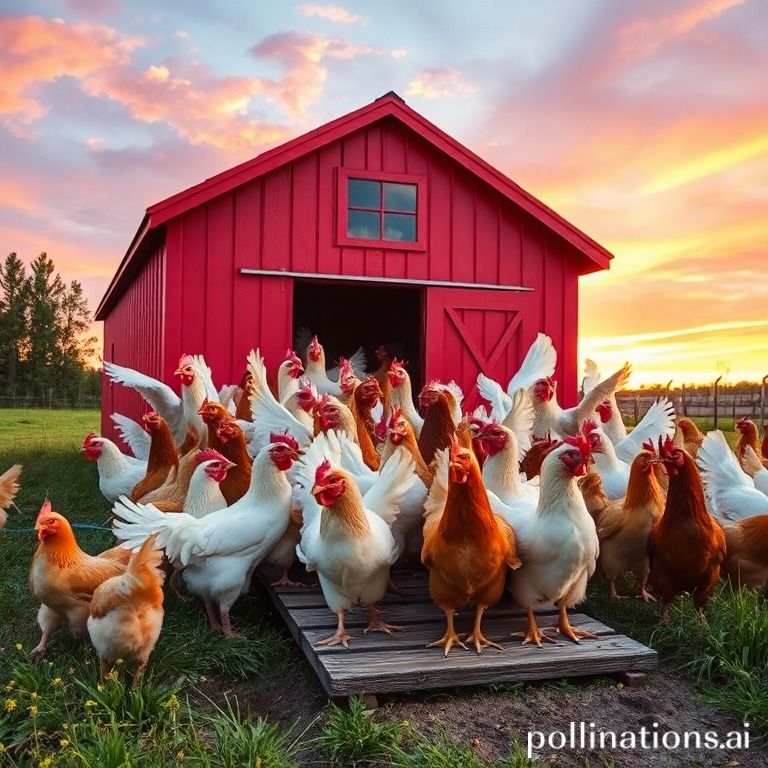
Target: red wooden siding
(472,331)
(133,337)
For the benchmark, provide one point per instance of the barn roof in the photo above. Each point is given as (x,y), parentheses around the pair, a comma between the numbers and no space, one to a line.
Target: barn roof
(388,106)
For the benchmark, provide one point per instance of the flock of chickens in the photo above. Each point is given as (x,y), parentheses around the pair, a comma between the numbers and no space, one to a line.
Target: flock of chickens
(341,471)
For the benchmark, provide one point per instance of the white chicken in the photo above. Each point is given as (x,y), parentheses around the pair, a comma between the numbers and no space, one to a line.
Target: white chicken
(204,495)
(501,469)
(402,396)
(551,418)
(133,435)
(326,382)
(557,543)
(179,412)
(614,473)
(347,538)
(539,363)
(118,472)
(657,422)
(608,409)
(731,493)
(220,551)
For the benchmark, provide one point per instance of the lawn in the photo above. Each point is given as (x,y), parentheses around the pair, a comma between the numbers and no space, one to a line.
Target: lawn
(209,701)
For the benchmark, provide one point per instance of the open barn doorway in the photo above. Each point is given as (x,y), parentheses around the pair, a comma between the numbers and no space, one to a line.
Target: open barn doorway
(352,315)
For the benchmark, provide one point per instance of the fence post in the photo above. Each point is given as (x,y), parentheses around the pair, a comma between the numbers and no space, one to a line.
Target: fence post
(762,402)
(684,402)
(637,408)
(717,387)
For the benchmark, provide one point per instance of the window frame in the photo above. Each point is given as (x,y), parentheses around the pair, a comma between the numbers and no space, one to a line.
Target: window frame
(420,182)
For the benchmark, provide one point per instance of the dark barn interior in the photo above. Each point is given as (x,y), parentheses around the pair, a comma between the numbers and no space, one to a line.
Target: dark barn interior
(346,316)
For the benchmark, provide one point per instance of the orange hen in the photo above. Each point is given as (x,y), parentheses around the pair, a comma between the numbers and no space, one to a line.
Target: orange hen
(746,557)
(163,456)
(467,548)
(439,427)
(233,447)
(63,577)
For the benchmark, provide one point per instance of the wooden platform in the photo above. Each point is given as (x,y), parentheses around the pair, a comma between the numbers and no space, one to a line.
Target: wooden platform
(381,663)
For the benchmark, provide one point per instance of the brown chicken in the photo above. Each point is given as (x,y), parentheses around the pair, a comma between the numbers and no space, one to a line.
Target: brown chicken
(591,488)
(364,397)
(348,380)
(748,436)
(233,447)
(692,436)
(163,456)
(330,413)
(126,612)
(687,546)
(746,552)
(213,414)
(9,487)
(467,548)
(173,491)
(63,577)
(381,374)
(623,528)
(540,448)
(438,406)
(242,402)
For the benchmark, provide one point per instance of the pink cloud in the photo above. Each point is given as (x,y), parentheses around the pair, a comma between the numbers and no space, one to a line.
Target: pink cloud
(439,83)
(331,12)
(35,51)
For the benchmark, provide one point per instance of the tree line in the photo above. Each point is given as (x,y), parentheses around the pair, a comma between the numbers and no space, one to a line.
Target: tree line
(44,346)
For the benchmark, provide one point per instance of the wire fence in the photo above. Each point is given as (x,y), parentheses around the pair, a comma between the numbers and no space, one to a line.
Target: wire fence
(50,402)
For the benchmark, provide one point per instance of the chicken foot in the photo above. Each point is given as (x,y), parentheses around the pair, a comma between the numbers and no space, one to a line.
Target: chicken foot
(377,624)
(339,638)
(534,634)
(226,624)
(213,619)
(613,593)
(285,581)
(642,591)
(564,628)
(476,636)
(450,638)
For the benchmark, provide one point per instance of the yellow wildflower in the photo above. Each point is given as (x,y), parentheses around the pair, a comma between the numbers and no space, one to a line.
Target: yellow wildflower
(19,647)
(111,675)
(64,743)
(46,762)
(90,703)
(99,687)
(32,710)
(180,756)
(172,703)
(33,695)
(56,682)
(118,662)
(2,747)
(10,705)
(65,726)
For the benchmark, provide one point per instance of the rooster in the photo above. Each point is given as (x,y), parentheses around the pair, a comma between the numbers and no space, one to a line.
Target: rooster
(623,527)
(550,417)
(9,487)
(348,380)
(730,491)
(441,404)
(288,374)
(326,382)
(331,413)
(63,577)
(686,547)
(220,551)
(126,612)
(467,548)
(614,473)
(347,537)
(557,542)
(118,473)
(162,458)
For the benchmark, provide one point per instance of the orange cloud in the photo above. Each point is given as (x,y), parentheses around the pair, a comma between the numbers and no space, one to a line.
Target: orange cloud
(439,83)
(331,12)
(35,51)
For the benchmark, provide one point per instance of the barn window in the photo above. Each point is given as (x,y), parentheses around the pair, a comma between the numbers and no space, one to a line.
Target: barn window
(381,210)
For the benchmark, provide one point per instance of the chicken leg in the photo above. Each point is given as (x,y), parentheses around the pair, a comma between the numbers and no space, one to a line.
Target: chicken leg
(564,628)
(534,634)
(339,638)
(285,581)
(450,638)
(377,624)
(476,636)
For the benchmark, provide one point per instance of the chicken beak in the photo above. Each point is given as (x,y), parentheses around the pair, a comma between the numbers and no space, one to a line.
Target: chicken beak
(231,464)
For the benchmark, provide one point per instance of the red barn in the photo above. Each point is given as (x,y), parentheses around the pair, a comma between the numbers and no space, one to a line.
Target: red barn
(373,228)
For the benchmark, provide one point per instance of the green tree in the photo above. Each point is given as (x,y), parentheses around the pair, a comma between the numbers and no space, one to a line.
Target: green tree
(14,320)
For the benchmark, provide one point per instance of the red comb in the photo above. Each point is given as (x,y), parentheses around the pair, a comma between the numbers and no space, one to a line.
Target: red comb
(284,438)
(210,454)
(45,510)
(397,364)
(397,414)
(588,426)
(322,472)
(580,442)
(89,438)
(185,360)
(650,447)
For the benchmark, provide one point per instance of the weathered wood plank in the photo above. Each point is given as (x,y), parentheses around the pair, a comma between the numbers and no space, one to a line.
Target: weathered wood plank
(422,669)
(415,636)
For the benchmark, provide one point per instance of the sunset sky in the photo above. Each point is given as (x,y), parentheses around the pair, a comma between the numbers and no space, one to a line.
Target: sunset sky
(643,123)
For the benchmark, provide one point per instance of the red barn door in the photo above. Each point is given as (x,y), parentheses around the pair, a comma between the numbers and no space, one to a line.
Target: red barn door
(472,330)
